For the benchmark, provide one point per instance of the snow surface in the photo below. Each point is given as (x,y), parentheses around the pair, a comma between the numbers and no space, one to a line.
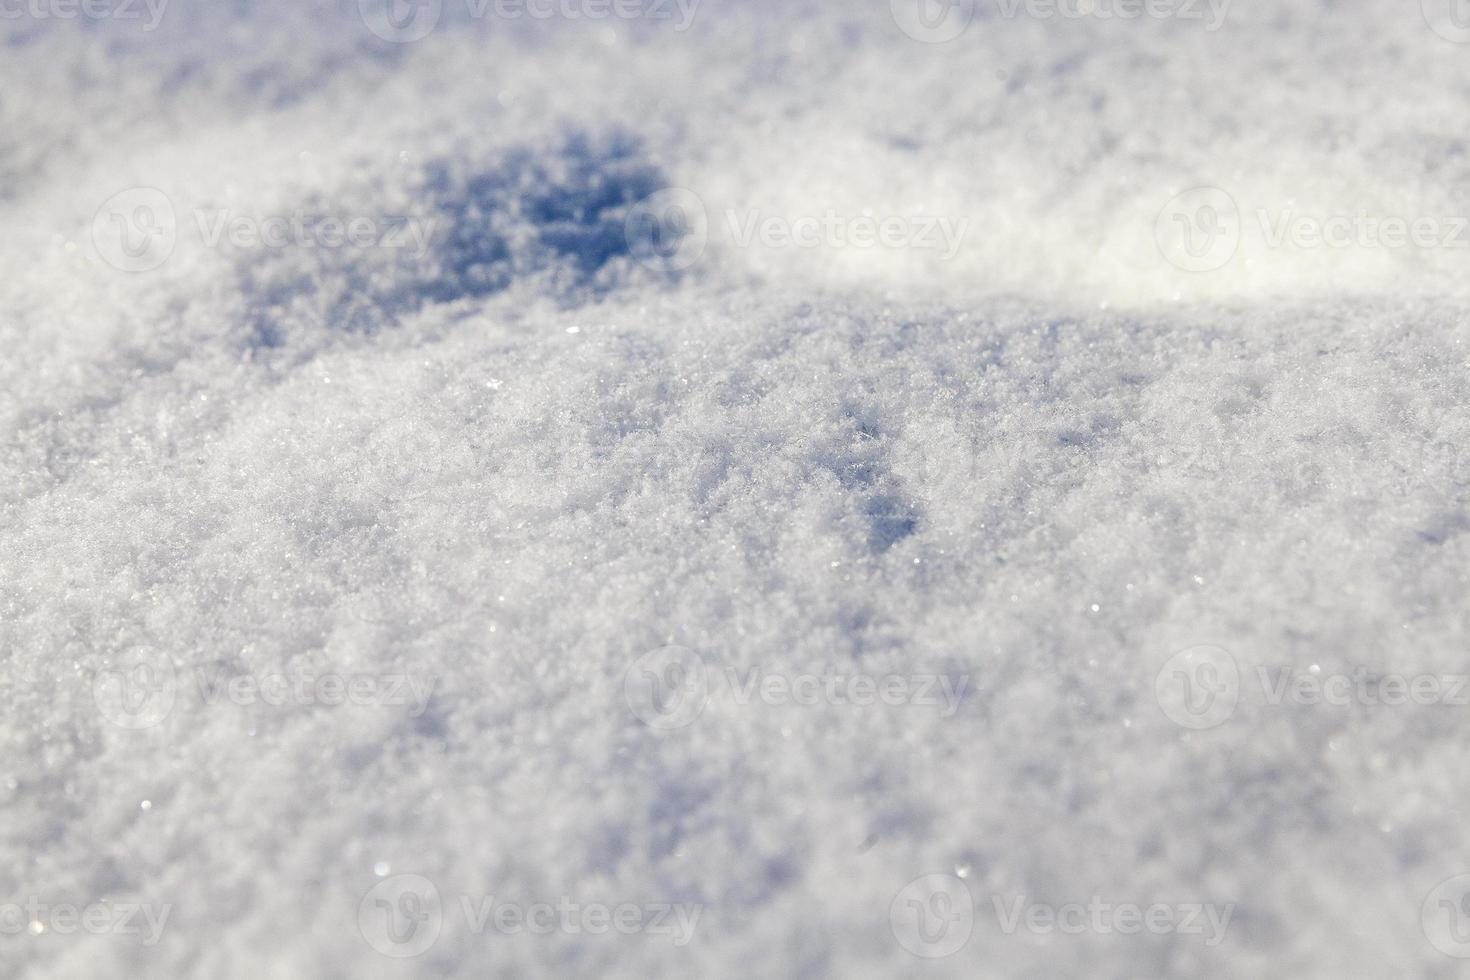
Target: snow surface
(513,465)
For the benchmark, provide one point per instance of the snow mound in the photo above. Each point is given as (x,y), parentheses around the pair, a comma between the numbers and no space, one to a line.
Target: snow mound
(632,570)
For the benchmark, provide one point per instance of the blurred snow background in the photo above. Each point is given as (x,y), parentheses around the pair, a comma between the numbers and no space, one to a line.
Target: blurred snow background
(512,463)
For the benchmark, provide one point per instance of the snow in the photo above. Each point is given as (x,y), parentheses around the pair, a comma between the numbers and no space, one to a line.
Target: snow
(601,549)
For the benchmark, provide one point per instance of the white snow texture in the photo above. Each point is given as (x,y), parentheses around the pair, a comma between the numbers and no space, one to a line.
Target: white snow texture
(629,571)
